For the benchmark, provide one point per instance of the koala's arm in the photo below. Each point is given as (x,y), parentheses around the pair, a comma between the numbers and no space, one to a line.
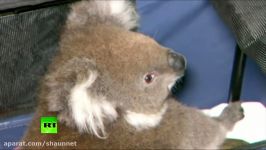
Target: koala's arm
(191,127)
(230,115)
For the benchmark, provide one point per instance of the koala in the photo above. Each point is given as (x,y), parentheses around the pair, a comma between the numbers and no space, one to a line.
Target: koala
(110,88)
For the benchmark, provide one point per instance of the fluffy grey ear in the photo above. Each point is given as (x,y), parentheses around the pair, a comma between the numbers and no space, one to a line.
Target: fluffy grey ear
(62,78)
(69,94)
(117,12)
(124,12)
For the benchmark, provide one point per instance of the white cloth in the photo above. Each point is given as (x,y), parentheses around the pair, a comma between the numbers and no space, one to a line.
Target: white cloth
(250,129)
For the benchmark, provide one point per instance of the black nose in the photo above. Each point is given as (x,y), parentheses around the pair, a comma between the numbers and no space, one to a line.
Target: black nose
(177,61)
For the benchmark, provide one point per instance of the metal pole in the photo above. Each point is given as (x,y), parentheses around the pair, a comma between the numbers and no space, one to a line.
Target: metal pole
(237,75)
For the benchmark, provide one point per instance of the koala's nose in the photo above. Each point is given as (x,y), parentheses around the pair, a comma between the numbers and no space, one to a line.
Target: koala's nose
(177,61)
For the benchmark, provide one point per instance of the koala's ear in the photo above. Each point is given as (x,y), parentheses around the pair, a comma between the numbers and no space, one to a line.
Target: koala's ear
(70,94)
(63,78)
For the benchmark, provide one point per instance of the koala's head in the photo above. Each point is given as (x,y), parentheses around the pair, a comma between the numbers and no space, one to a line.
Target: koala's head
(106,70)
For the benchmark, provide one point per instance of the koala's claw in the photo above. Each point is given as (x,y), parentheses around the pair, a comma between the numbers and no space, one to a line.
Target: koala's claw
(232,114)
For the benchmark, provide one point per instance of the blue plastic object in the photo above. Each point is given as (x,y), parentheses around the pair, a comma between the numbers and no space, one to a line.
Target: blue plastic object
(254,83)
(12,129)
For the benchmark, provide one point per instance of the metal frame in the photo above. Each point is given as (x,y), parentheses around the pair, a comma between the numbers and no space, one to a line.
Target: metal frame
(30,7)
(237,75)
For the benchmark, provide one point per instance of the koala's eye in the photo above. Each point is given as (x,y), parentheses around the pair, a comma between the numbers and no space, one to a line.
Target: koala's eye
(149,77)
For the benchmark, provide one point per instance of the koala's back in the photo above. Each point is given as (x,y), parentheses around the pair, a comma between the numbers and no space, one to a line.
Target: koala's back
(181,127)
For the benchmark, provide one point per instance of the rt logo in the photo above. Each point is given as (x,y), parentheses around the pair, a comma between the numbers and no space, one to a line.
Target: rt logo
(49,125)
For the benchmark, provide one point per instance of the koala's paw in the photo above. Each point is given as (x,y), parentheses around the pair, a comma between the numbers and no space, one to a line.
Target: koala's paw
(232,114)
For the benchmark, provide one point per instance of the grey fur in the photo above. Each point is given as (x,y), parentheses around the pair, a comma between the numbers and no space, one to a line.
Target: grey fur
(93,12)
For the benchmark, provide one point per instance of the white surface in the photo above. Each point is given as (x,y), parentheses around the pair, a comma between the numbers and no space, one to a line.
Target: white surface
(250,129)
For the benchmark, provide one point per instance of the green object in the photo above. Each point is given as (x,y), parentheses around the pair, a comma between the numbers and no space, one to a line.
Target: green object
(261,145)
(49,125)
